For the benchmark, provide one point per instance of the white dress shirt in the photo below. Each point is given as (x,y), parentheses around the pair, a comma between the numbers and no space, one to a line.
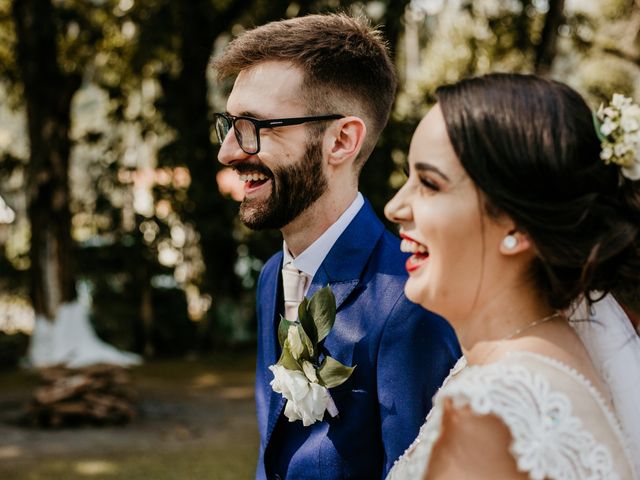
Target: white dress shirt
(311,258)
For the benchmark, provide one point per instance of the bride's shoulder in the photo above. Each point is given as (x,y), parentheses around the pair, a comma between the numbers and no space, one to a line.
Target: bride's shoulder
(556,418)
(531,382)
(531,413)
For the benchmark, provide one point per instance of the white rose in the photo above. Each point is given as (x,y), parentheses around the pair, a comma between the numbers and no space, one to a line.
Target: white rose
(306,401)
(291,412)
(292,384)
(311,407)
(295,342)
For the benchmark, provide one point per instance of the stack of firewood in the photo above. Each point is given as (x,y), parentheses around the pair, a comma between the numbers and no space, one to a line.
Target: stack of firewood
(100,394)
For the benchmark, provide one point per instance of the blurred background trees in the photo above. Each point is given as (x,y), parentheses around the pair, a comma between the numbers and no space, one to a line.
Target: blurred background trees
(106,150)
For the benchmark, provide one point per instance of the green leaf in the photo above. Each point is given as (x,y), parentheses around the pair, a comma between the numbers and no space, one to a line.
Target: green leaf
(306,320)
(322,308)
(283,328)
(598,125)
(309,371)
(333,373)
(306,342)
(287,360)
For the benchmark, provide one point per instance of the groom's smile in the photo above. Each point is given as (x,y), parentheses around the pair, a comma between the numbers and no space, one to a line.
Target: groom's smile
(256,179)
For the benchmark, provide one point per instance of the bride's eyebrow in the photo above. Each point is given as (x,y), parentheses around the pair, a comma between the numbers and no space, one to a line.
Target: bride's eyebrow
(427,167)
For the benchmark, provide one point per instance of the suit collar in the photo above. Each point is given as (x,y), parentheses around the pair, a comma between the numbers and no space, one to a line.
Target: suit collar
(345,262)
(310,260)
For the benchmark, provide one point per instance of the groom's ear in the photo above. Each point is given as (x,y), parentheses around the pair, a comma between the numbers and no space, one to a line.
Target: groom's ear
(343,140)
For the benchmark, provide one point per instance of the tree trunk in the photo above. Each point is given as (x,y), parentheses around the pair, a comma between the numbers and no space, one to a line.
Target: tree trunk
(546,51)
(48,93)
(186,109)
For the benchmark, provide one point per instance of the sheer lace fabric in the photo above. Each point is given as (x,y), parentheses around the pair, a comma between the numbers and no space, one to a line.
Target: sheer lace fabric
(561,427)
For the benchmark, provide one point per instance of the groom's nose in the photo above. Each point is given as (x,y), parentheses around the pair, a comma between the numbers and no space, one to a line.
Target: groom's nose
(230,151)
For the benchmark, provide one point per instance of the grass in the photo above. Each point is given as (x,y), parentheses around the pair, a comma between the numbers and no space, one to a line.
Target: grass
(197,422)
(227,463)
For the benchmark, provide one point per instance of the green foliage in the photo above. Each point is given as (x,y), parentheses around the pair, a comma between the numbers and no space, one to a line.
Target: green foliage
(321,309)
(287,359)
(144,66)
(283,329)
(300,341)
(332,373)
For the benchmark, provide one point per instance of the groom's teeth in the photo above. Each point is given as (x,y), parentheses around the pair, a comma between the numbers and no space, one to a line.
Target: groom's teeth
(409,246)
(251,177)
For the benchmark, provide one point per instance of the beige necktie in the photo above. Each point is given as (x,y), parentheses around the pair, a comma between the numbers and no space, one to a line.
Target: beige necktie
(293,283)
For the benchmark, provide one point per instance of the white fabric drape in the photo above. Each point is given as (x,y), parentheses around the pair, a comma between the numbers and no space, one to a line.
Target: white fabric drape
(614,347)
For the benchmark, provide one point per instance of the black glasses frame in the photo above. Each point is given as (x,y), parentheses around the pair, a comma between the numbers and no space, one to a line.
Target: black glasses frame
(266,123)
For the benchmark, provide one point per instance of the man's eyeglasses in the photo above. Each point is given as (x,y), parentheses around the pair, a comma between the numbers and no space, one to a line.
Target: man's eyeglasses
(247,129)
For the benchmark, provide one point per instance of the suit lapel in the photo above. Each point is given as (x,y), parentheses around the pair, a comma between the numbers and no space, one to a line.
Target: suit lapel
(343,266)
(272,299)
(341,270)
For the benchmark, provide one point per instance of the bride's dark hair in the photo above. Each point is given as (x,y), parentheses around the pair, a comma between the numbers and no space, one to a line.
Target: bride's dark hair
(530,146)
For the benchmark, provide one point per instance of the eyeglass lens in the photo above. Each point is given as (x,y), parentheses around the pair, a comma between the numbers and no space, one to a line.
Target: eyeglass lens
(246,134)
(244,129)
(223,125)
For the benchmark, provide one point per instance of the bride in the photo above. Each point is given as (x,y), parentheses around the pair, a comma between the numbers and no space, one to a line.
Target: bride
(515,211)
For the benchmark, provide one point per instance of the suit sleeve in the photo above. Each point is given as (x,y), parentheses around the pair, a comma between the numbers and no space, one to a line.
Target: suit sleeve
(417,350)
(261,394)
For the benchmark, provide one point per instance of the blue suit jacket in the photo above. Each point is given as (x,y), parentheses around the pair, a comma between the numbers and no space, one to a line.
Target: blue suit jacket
(402,353)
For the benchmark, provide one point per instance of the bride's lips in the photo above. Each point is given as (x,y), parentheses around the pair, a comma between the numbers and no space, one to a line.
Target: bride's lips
(419,252)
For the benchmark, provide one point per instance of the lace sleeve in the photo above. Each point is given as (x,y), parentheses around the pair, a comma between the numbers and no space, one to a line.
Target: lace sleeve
(549,439)
(561,427)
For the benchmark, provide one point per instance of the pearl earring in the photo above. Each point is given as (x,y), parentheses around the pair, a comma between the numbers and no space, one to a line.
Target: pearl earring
(510,242)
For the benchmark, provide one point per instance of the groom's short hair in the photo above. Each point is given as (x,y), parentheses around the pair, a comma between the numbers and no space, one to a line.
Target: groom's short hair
(345,63)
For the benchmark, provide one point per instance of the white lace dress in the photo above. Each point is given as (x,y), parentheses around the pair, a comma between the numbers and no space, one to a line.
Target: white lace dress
(560,425)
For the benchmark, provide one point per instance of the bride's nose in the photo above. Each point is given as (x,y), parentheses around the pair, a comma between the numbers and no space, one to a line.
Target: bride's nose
(397,209)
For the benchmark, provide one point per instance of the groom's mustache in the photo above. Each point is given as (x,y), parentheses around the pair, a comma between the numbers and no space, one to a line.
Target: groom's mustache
(253,168)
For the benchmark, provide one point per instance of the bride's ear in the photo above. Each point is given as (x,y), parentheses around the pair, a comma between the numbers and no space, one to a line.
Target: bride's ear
(515,242)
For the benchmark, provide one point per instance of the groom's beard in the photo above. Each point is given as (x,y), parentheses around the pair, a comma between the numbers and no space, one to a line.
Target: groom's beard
(293,189)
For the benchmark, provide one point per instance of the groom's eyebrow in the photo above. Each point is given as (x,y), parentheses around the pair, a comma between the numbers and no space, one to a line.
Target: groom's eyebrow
(427,167)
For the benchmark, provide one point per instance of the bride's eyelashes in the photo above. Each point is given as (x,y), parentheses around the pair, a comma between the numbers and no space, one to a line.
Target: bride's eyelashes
(431,185)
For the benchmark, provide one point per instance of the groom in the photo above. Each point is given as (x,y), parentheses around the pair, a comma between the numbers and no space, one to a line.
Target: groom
(311,97)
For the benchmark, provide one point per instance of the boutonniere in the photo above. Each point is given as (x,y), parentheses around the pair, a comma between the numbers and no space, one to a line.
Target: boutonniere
(299,375)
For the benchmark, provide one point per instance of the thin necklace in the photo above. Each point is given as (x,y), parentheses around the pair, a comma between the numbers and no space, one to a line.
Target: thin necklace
(520,330)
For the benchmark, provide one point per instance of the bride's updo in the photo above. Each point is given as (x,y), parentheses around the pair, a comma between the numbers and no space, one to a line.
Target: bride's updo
(531,147)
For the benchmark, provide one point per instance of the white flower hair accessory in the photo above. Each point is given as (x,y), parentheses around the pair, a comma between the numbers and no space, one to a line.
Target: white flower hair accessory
(302,375)
(618,127)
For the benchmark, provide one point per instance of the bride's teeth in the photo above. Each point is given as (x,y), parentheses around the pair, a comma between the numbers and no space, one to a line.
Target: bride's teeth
(408,246)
